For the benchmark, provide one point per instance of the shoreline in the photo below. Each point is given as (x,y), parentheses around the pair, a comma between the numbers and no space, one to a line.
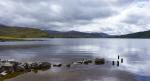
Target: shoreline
(11,68)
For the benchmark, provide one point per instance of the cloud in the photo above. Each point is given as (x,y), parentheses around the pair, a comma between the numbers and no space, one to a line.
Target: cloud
(113,16)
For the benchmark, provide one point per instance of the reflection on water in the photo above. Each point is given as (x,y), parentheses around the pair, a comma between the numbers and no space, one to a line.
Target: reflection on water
(136,54)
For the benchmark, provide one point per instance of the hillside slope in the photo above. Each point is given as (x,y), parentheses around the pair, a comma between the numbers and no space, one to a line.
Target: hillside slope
(25,32)
(75,34)
(21,32)
(143,34)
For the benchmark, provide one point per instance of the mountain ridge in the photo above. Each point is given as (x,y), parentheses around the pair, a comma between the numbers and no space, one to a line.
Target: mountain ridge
(141,34)
(27,32)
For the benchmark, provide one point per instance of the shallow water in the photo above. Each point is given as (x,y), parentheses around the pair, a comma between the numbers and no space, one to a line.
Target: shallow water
(136,54)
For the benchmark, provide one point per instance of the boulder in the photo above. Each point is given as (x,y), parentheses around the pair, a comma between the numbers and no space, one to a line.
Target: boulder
(87,61)
(44,65)
(3,73)
(26,66)
(57,65)
(34,66)
(99,61)
(20,68)
(8,67)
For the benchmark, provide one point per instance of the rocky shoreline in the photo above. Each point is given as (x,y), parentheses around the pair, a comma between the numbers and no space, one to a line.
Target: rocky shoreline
(9,67)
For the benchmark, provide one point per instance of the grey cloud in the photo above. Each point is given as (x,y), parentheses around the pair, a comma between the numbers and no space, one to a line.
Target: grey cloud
(73,10)
(137,19)
(125,2)
(62,14)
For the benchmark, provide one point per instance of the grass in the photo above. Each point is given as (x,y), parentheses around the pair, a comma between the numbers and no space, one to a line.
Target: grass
(3,39)
(11,75)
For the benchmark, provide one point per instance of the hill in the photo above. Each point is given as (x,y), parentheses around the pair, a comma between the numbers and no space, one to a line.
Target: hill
(143,34)
(75,34)
(12,32)
(21,32)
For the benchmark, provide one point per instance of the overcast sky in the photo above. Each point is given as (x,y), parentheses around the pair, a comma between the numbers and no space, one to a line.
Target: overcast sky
(108,16)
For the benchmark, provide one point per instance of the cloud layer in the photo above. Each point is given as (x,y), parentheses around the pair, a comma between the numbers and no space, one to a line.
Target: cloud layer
(112,17)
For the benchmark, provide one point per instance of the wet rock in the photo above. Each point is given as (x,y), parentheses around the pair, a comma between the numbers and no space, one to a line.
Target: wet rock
(44,65)
(19,68)
(80,62)
(8,67)
(87,61)
(34,66)
(68,65)
(99,61)
(57,65)
(3,73)
(26,66)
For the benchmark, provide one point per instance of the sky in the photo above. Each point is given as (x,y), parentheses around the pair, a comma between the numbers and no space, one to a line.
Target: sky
(107,16)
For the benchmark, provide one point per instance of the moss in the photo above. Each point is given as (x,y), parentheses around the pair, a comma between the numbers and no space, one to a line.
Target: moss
(11,75)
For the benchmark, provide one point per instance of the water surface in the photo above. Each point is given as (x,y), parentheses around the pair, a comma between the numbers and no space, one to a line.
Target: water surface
(136,54)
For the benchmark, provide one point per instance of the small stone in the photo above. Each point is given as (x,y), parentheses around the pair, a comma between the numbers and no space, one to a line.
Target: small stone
(44,65)
(68,65)
(87,61)
(57,65)
(79,62)
(99,61)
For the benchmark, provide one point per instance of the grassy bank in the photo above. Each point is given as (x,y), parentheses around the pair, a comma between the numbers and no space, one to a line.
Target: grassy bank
(3,39)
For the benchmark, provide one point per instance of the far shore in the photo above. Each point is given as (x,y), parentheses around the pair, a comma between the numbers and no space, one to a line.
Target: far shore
(5,39)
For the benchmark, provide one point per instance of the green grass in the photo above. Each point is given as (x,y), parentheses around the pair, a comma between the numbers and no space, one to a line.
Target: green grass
(4,38)
(11,33)
(11,75)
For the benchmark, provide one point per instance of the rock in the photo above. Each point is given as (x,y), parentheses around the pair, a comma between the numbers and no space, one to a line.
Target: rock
(29,64)
(2,69)
(3,73)
(34,66)
(68,65)
(57,65)
(80,62)
(44,65)
(26,66)
(7,64)
(8,67)
(99,61)
(20,68)
(87,61)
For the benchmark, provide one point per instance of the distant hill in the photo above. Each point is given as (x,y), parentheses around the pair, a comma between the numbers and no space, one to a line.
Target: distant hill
(21,32)
(143,34)
(25,32)
(9,32)
(75,34)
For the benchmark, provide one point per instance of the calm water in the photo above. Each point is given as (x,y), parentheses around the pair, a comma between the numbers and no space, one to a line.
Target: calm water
(136,54)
